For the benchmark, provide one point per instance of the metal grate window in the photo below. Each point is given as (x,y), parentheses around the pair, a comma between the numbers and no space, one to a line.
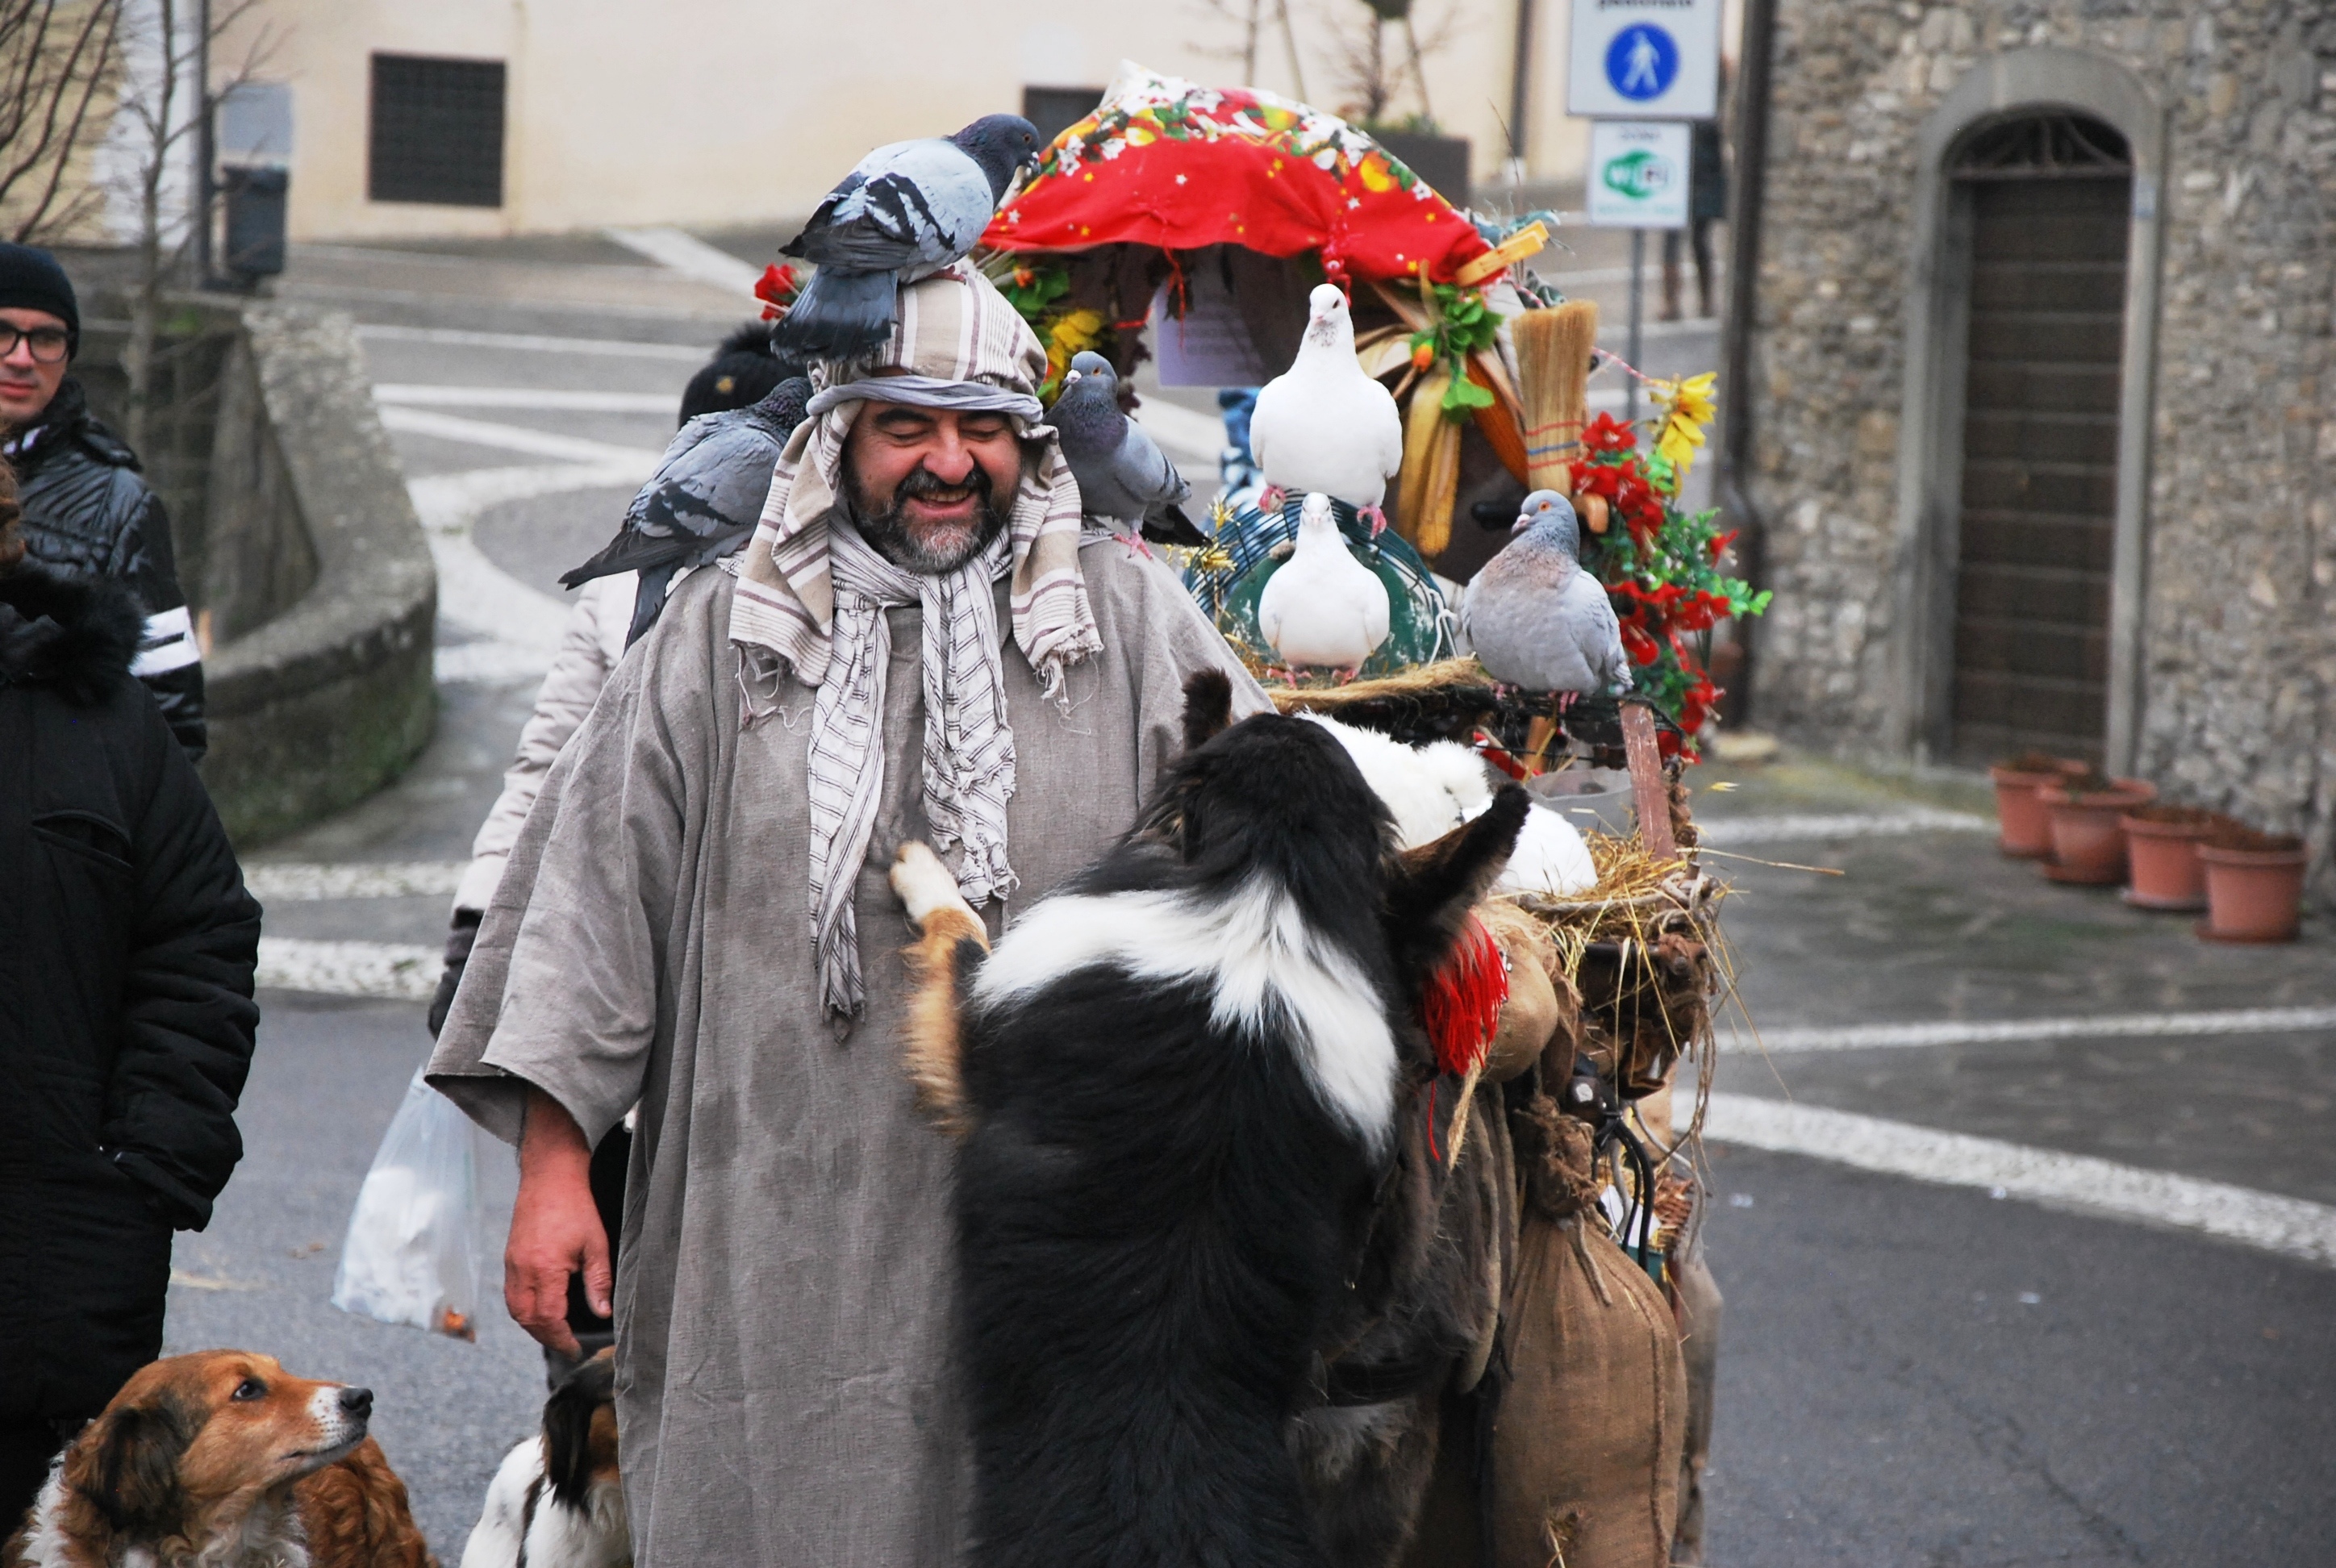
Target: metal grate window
(437,131)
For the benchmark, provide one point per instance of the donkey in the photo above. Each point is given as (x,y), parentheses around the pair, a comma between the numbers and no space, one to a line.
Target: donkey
(1176,1082)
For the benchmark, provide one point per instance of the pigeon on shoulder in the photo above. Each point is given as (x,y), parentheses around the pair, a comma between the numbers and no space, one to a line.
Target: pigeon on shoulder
(704,501)
(1323,425)
(907,209)
(1123,475)
(1536,618)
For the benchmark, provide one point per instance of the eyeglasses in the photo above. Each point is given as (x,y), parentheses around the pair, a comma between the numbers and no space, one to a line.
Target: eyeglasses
(49,344)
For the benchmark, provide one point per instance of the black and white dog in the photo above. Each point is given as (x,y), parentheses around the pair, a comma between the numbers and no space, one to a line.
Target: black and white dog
(1176,1080)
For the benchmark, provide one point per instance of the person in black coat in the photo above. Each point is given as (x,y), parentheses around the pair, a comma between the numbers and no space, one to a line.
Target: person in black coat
(85,507)
(127,949)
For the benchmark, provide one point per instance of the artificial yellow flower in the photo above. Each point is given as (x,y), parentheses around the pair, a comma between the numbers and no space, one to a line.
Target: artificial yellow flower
(1687,407)
(1071,334)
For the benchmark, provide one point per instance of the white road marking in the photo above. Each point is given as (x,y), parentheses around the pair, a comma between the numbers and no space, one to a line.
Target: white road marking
(520,627)
(2113,1026)
(691,257)
(298,881)
(534,343)
(413,395)
(516,438)
(2293,1227)
(1186,435)
(1721,832)
(398,972)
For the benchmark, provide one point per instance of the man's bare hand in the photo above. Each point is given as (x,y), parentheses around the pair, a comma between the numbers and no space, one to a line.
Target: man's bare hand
(555,1230)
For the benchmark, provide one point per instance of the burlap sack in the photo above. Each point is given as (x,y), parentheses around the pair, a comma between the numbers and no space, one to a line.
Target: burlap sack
(1586,1445)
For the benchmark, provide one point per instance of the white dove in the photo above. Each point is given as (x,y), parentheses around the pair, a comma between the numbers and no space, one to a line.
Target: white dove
(1323,425)
(1323,610)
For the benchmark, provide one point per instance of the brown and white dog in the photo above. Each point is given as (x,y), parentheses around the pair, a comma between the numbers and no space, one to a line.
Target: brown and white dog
(222,1459)
(559,1499)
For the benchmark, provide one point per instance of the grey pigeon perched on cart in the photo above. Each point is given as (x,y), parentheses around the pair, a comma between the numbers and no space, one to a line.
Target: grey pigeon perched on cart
(1322,608)
(1123,475)
(1536,618)
(908,210)
(704,501)
(1324,424)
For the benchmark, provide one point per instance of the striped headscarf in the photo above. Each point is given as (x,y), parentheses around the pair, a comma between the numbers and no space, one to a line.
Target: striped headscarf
(813,596)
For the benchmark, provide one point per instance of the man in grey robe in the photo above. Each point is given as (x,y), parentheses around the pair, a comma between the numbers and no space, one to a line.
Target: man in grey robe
(696,919)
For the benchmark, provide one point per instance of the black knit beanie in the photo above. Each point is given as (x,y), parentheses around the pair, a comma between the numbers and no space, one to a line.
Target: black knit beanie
(30,279)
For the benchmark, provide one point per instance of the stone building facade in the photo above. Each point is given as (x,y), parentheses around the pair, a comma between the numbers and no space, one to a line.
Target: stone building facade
(2044,390)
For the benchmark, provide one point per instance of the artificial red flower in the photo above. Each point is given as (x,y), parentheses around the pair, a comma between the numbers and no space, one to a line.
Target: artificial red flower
(777,288)
(1606,434)
(1639,646)
(1719,543)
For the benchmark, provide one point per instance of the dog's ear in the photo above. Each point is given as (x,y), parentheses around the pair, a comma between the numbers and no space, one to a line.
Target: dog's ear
(1207,707)
(1432,888)
(568,1429)
(132,1473)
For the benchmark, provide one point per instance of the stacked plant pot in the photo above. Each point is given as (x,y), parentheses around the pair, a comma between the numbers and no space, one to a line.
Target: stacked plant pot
(2084,812)
(2254,886)
(2025,827)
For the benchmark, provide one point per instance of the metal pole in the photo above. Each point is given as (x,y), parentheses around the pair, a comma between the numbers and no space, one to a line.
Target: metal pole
(205,152)
(1637,280)
(1520,87)
(1747,193)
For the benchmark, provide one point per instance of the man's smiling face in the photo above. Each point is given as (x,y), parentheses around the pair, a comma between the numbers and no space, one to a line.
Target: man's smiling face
(928,487)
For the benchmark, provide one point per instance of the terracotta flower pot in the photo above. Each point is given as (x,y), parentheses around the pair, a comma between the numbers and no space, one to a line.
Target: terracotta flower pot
(2161,851)
(2024,831)
(2254,894)
(2087,844)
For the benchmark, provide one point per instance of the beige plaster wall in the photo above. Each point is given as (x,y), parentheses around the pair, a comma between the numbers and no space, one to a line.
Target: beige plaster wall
(711,112)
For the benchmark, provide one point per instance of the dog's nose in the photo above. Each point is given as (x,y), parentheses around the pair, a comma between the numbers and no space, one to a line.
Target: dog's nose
(357,1402)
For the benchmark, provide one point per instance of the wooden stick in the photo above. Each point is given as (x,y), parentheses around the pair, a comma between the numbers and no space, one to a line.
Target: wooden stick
(1649,791)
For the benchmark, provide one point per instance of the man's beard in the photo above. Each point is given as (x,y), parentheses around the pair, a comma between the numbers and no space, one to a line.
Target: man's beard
(931,550)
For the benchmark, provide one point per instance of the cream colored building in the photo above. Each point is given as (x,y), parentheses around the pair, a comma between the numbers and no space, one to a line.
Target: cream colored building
(714,113)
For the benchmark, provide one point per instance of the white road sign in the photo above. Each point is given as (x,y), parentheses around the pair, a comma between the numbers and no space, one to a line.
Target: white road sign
(1648,59)
(1637,174)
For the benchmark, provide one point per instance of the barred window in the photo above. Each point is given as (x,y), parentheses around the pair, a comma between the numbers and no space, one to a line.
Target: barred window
(437,131)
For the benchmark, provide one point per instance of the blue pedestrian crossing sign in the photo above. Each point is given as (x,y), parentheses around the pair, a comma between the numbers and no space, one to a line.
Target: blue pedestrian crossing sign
(1644,59)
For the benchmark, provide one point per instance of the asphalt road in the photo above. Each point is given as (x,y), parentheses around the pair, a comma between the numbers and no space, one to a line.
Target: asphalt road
(1913,1371)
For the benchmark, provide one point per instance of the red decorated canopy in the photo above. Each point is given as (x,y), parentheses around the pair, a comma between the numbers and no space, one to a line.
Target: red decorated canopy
(1166,163)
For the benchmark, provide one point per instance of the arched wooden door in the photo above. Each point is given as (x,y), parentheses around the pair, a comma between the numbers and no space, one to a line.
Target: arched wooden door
(2049,214)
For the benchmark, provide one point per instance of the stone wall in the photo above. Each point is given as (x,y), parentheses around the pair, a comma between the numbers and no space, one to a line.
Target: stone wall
(306,568)
(2237,694)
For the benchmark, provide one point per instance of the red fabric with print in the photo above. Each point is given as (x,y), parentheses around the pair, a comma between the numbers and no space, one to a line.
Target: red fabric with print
(1169,164)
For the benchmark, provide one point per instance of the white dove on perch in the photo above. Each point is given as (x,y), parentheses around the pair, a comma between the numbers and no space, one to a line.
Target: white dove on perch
(1322,608)
(1325,426)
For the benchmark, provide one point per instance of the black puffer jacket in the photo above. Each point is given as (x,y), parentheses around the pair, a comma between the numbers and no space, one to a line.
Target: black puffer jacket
(127,945)
(87,509)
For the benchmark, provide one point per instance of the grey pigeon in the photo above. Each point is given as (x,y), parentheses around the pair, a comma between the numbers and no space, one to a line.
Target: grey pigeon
(704,501)
(1536,619)
(908,210)
(1122,471)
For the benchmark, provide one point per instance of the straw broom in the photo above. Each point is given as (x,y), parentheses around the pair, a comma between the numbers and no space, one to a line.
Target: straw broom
(1554,349)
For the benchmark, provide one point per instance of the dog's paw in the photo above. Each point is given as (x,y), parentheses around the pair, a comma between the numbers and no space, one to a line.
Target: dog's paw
(922,883)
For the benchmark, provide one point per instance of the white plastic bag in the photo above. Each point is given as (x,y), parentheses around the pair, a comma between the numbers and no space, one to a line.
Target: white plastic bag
(411,1255)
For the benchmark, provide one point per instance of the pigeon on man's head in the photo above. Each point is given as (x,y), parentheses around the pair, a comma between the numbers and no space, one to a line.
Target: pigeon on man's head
(1123,475)
(1322,608)
(1536,618)
(704,501)
(1323,425)
(908,210)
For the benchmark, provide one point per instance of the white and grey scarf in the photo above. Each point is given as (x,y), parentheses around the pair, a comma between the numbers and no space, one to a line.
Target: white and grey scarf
(968,773)
(959,344)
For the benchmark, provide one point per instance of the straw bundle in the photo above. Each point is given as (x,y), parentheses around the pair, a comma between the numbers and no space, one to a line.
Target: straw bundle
(1553,348)
(1431,469)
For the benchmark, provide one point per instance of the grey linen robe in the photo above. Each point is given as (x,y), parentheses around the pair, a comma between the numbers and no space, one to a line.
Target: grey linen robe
(784,1298)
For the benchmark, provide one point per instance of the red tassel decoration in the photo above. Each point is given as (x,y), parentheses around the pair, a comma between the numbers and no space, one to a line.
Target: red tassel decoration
(1462,1007)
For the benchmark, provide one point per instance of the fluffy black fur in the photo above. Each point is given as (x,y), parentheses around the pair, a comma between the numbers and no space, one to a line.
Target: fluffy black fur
(568,1430)
(134,1481)
(1155,1214)
(75,633)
